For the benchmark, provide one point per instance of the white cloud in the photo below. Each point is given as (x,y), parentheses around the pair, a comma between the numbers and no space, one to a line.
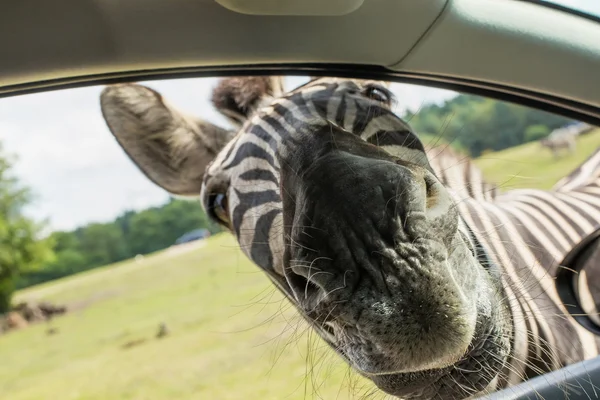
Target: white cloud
(75,167)
(413,97)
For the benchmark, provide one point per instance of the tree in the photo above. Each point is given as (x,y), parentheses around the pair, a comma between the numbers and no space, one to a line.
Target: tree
(536,132)
(158,227)
(131,233)
(102,244)
(21,247)
(480,124)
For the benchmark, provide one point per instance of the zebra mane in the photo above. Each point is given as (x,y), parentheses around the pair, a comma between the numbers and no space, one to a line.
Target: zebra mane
(238,97)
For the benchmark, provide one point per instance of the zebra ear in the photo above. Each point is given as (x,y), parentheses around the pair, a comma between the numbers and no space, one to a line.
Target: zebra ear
(238,97)
(170,148)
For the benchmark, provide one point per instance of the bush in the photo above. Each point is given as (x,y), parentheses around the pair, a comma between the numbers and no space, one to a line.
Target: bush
(7,288)
(536,132)
(21,248)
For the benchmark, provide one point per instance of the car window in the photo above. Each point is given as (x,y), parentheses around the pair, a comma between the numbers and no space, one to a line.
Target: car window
(117,289)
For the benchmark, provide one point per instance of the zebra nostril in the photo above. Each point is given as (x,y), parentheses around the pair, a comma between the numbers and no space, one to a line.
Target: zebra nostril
(329,327)
(304,289)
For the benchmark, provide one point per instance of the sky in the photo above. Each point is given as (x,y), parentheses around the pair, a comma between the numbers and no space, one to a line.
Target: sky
(79,174)
(588,6)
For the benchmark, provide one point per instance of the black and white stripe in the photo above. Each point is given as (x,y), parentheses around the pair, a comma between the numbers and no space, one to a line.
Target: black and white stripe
(526,232)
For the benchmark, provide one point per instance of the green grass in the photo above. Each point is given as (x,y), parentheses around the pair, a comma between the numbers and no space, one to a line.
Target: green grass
(232,336)
(532,166)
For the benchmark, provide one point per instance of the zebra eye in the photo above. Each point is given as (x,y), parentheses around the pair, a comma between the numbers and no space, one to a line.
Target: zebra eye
(378,94)
(218,208)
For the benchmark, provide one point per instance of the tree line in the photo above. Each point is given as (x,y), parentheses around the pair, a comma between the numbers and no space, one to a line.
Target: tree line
(131,233)
(478,124)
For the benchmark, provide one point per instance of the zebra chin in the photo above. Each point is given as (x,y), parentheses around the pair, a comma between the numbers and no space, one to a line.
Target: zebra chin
(410,349)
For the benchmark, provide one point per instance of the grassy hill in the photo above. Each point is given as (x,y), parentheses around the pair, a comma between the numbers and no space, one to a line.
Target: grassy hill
(232,336)
(531,165)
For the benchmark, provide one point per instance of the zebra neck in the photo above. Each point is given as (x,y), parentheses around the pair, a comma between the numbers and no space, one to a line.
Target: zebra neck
(527,233)
(546,224)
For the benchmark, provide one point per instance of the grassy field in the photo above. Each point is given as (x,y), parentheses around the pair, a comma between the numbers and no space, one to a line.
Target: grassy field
(531,165)
(232,336)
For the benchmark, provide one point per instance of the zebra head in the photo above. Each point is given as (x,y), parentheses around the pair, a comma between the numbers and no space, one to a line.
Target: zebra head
(333,196)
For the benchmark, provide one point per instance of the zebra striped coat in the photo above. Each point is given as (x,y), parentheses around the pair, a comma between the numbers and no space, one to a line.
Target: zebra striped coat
(529,232)
(462,303)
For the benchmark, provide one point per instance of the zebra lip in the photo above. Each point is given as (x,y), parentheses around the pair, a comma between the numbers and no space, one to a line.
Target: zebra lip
(422,385)
(429,373)
(427,380)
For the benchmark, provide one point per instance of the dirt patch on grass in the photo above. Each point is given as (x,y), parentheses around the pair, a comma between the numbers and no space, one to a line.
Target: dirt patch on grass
(25,314)
(80,305)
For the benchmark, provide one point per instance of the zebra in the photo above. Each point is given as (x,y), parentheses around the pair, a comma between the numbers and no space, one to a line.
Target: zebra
(563,141)
(430,282)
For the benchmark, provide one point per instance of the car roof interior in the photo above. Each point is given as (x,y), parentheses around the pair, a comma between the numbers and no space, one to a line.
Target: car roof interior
(513,47)
(488,43)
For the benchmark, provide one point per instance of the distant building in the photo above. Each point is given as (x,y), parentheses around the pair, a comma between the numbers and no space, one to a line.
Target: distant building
(191,236)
